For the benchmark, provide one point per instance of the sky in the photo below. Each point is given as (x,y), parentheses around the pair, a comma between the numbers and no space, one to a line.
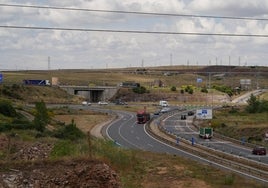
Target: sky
(42,49)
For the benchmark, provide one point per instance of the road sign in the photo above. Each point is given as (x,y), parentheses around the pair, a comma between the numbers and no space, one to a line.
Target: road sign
(204,113)
(199,80)
(1,78)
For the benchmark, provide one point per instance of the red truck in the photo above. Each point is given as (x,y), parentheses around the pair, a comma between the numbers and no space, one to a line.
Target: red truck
(143,116)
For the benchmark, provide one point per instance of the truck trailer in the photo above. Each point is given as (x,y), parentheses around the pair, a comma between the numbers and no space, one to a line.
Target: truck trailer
(143,116)
(205,132)
(37,82)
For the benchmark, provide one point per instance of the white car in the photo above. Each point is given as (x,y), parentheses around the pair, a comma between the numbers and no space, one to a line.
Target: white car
(102,103)
(85,103)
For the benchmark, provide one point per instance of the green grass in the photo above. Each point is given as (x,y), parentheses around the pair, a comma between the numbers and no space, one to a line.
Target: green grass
(238,124)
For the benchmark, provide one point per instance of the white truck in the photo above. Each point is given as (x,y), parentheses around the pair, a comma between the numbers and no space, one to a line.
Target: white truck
(163,103)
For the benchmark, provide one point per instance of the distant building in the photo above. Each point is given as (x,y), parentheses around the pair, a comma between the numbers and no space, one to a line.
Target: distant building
(158,83)
(129,84)
(245,84)
(55,81)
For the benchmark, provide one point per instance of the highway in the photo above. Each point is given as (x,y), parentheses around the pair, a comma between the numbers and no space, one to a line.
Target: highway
(184,129)
(126,133)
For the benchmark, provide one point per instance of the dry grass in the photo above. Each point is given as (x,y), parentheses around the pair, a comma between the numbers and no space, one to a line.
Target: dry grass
(116,76)
(84,122)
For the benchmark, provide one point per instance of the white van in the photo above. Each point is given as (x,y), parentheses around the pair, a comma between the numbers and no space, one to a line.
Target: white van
(163,103)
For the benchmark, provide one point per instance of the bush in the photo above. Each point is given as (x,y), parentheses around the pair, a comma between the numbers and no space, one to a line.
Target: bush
(189,89)
(204,90)
(69,132)
(173,88)
(256,106)
(41,118)
(140,90)
(63,148)
(225,89)
(7,109)
(12,91)
(9,126)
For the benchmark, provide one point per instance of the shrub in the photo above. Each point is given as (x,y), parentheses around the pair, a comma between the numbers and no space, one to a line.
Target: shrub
(69,132)
(63,148)
(7,109)
(225,89)
(256,106)
(12,91)
(189,89)
(204,90)
(41,118)
(140,90)
(173,88)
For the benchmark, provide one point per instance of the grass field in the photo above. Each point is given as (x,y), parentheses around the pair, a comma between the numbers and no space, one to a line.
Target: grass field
(139,168)
(184,76)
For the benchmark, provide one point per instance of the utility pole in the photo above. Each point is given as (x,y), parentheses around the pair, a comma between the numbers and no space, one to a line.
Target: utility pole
(48,63)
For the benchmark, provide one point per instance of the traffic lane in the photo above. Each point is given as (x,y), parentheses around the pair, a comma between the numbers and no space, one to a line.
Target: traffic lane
(114,130)
(128,134)
(174,125)
(229,147)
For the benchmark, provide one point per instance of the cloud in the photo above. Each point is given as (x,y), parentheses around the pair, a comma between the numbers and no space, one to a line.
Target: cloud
(230,7)
(77,49)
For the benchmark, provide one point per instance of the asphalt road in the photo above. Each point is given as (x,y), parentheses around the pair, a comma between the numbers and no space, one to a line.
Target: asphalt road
(185,129)
(126,133)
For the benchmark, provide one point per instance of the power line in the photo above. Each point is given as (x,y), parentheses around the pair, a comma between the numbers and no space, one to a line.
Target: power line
(133,31)
(133,12)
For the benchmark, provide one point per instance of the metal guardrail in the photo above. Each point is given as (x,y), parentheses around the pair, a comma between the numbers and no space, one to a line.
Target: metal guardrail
(236,162)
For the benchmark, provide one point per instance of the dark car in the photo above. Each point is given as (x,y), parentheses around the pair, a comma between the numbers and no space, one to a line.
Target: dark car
(157,112)
(190,113)
(259,151)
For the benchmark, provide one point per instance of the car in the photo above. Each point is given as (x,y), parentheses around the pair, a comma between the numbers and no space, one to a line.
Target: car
(157,112)
(120,103)
(190,113)
(102,103)
(259,151)
(85,103)
(164,110)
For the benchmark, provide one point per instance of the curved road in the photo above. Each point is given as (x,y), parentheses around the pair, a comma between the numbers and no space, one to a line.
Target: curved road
(125,132)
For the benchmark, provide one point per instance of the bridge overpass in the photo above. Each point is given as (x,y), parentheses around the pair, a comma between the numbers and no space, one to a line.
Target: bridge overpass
(92,94)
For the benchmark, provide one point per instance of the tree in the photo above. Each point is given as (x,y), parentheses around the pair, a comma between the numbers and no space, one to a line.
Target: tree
(7,109)
(173,88)
(253,104)
(41,118)
(140,90)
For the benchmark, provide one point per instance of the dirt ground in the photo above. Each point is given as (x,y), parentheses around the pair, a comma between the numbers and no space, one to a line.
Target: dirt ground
(64,173)
(35,171)
(29,167)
